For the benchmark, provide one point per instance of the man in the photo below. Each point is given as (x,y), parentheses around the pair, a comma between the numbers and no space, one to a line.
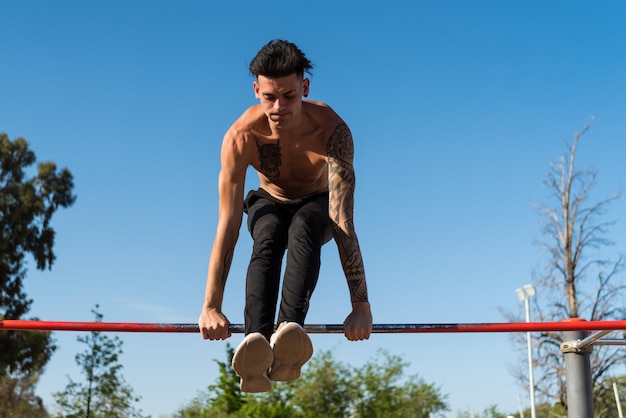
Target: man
(303,153)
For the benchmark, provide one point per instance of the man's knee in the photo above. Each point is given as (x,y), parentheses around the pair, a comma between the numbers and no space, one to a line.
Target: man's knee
(269,228)
(312,224)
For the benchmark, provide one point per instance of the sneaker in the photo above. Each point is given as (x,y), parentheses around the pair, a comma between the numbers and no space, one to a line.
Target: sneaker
(292,348)
(251,361)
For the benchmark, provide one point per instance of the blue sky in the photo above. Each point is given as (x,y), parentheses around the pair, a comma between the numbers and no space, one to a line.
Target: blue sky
(456,109)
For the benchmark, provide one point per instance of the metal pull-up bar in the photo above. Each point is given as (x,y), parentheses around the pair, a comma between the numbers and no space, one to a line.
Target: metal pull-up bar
(574,325)
(575,348)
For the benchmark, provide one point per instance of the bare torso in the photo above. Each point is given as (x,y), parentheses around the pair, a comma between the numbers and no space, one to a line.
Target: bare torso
(291,163)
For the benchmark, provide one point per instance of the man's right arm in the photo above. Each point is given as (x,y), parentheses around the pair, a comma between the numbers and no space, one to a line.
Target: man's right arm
(212,322)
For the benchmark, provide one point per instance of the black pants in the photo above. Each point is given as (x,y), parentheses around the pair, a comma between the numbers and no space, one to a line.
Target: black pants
(300,227)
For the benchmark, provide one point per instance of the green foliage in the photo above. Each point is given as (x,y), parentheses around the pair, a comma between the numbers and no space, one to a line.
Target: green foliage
(546,410)
(24,353)
(27,205)
(26,209)
(383,391)
(327,388)
(604,397)
(18,399)
(221,399)
(104,393)
(228,396)
(274,404)
(489,412)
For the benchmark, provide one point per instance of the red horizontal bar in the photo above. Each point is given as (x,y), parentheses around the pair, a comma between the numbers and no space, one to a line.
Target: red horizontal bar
(567,325)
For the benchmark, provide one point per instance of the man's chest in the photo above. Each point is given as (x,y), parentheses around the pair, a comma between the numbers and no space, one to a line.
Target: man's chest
(297,160)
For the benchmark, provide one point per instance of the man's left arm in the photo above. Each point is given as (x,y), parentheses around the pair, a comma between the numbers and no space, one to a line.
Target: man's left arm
(341,184)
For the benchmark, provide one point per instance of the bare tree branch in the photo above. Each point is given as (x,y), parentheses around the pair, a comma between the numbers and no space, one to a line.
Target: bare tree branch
(578,280)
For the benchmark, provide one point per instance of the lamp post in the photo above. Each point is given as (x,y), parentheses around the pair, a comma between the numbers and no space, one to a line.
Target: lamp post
(524,294)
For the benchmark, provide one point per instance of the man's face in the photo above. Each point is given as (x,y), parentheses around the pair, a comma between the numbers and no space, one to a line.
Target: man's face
(281,98)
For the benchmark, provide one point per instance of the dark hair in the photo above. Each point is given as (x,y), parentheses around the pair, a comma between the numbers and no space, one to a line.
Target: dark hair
(279,58)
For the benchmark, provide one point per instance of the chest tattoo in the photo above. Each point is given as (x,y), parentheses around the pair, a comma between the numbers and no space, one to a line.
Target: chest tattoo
(269,157)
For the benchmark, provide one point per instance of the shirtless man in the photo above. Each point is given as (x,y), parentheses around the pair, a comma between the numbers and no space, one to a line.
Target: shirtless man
(303,153)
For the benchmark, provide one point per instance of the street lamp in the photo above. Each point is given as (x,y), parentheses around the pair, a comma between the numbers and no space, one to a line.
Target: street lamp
(524,294)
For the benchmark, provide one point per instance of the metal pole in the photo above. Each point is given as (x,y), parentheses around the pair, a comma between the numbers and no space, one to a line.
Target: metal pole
(519,407)
(577,375)
(617,401)
(592,339)
(531,379)
(37,325)
(610,341)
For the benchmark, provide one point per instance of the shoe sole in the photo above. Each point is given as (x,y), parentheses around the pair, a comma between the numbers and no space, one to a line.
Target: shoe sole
(251,361)
(292,348)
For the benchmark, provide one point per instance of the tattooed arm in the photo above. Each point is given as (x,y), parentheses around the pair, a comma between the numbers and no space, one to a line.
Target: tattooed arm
(212,322)
(341,183)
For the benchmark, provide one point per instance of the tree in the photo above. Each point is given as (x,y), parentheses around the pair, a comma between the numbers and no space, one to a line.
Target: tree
(26,209)
(222,398)
(327,388)
(17,384)
(489,412)
(104,393)
(225,399)
(27,205)
(579,279)
(228,396)
(382,391)
(605,405)
(18,399)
